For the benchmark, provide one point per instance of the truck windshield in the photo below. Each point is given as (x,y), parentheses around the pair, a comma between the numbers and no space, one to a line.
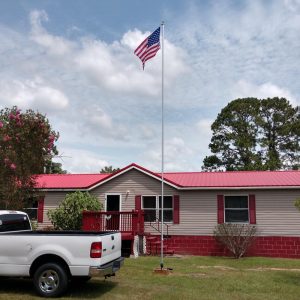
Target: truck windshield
(14,222)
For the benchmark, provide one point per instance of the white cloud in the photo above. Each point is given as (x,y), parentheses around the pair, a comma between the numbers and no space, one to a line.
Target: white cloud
(81,161)
(98,123)
(33,94)
(203,127)
(110,66)
(114,67)
(176,156)
(96,94)
(244,89)
(146,132)
(97,117)
(53,44)
(293,5)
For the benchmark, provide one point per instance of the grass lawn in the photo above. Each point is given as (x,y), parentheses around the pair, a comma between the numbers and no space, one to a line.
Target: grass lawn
(192,278)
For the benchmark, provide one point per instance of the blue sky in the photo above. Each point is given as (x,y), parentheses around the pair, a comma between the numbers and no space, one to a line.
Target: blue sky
(74,62)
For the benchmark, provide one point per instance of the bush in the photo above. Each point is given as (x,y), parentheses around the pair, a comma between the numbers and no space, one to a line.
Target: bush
(68,216)
(297,203)
(237,238)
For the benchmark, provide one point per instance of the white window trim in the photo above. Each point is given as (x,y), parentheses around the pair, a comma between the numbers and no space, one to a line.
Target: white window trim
(113,194)
(157,210)
(235,195)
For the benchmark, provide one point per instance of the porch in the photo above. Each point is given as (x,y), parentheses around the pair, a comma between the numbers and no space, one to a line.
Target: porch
(130,224)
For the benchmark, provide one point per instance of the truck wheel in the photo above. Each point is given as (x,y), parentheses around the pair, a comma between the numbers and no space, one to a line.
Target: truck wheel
(50,280)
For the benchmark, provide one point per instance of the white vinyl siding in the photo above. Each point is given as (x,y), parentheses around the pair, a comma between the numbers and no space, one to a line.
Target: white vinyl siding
(275,210)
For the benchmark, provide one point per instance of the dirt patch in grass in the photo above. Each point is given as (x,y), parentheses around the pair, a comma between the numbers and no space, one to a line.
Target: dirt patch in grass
(273,269)
(222,268)
(225,268)
(193,275)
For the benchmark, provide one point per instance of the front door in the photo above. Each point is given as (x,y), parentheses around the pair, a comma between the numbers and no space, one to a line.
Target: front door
(113,205)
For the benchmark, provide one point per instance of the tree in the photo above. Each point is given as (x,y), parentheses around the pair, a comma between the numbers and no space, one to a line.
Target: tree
(26,144)
(109,170)
(253,134)
(279,133)
(54,168)
(68,216)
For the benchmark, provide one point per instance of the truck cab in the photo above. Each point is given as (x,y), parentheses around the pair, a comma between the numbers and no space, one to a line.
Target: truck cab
(14,221)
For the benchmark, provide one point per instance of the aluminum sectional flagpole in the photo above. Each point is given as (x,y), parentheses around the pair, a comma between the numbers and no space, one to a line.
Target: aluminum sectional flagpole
(162,146)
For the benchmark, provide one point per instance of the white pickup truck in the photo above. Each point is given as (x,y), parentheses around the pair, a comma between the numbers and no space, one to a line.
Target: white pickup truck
(53,258)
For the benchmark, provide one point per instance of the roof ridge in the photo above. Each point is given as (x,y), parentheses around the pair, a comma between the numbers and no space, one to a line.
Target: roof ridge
(242,171)
(74,174)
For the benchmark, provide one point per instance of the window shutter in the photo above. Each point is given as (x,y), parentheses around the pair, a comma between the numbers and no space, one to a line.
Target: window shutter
(138,202)
(252,209)
(220,199)
(40,212)
(176,209)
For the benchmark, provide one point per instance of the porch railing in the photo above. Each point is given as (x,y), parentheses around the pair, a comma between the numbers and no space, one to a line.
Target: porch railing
(125,221)
(156,224)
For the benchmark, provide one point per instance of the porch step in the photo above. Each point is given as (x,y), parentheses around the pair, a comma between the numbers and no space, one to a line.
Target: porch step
(154,246)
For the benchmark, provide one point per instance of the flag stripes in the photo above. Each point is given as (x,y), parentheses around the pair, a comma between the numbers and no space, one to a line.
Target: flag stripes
(149,47)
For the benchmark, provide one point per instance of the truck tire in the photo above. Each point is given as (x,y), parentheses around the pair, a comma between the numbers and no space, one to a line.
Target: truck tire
(50,280)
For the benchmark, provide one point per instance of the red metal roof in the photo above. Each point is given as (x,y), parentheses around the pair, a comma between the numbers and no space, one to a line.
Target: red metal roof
(68,181)
(236,179)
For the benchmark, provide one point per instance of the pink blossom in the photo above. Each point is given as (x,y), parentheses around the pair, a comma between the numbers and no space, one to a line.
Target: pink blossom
(6,161)
(6,138)
(1,124)
(12,116)
(13,166)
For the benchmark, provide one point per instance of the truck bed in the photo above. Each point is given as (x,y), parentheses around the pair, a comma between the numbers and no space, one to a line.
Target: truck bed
(59,232)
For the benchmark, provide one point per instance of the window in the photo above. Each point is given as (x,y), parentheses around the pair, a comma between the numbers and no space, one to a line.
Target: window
(149,206)
(152,208)
(168,208)
(236,209)
(14,222)
(32,211)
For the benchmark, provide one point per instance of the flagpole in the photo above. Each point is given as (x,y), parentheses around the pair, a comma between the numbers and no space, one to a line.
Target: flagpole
(162,146)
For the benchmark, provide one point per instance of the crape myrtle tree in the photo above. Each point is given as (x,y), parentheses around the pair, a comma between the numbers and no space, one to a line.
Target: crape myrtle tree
(253,134)
(26,146)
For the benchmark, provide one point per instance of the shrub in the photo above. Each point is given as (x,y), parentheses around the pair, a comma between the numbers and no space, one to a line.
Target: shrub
(297,203)
(237,238)
(68,216)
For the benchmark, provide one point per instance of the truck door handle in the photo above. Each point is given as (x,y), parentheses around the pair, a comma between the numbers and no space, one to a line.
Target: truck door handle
(112,237)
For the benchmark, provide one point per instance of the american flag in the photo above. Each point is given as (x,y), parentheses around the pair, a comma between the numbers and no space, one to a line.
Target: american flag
(148,48)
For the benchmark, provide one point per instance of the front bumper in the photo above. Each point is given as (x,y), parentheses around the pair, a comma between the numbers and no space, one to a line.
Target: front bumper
(107,269)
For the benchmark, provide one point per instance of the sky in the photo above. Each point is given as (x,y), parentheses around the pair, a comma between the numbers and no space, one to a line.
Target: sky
(73,61)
